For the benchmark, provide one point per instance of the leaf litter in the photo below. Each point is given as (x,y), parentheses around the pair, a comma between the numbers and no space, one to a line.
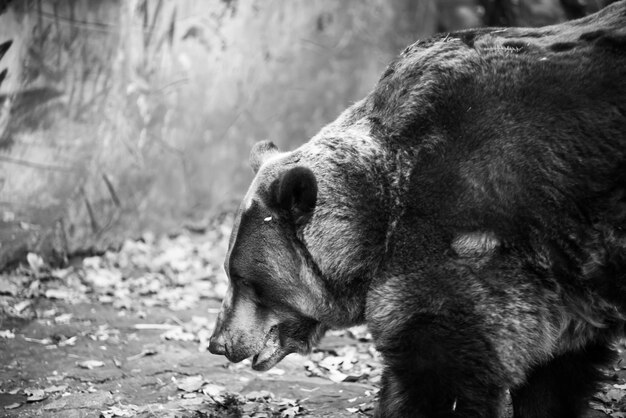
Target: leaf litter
(176,273)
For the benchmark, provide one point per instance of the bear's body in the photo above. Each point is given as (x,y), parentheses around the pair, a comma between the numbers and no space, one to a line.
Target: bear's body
(471,209)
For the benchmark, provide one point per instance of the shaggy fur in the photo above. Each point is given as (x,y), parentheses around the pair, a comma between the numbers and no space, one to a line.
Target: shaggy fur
(471,209)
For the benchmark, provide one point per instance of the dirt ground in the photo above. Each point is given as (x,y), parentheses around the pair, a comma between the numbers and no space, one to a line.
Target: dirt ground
(124,334)
(136,372)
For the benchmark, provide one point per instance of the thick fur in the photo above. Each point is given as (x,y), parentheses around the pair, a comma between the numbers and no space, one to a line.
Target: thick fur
(471,209)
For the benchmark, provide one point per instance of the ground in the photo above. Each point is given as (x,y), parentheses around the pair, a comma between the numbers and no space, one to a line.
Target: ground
(125,334)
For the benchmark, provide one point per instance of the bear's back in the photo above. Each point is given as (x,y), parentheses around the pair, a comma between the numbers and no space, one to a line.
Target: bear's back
(517,132)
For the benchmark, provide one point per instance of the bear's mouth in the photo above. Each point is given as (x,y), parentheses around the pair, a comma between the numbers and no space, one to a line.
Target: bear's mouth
(271,353)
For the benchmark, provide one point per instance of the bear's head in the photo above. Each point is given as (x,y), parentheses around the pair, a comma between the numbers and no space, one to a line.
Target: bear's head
(297,260)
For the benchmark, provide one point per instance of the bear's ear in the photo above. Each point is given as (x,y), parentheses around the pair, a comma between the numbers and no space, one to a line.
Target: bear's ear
(297,192)
(260,152)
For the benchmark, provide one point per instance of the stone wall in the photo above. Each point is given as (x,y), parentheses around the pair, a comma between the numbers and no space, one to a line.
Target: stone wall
(120,117)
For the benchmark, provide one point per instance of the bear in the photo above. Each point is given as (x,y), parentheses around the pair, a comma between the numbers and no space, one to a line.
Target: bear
(471,210)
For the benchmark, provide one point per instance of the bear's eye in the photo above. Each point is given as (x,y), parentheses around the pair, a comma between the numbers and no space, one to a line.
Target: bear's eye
(247,284)
(254,288)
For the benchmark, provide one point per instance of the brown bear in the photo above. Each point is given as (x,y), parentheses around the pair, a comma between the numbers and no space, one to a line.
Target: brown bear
(471,210)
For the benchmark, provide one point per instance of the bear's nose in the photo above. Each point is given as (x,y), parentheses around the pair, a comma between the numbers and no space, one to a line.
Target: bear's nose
(217,344)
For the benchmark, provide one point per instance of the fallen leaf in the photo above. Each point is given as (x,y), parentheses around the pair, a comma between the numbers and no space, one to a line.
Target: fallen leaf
(178,334)
(250,409)
(8,288)
(364,407)
(337,376)
(600,407)
(259,395)
(146,352)
(120,411)
(35,262)
(275,372)
(57,294)
(90,364)
(20,306)
(288,402)
(291,411)
(193,402)
(68,342)
(48,313)
(54,389)
(63,318)
(44,341)
(213,390)
(7,333)
(55,377)
(104,278)
(191,383)
(614,395)
(105,299)
(35,395)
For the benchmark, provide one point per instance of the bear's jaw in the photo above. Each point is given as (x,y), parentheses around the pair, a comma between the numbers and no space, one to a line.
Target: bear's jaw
(271,353)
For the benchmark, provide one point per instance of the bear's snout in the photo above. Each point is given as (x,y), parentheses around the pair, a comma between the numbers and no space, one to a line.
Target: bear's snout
(235,348)
(217,344)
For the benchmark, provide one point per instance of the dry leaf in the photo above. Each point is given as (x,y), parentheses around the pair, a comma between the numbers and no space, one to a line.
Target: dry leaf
(58,294)
(68,342)
(337,376)
(146,352)
(213,390)
(178,334)
(63,318)
(54,389)
(7,333)
(275,371)
(55,377)
(259,395)
(35,262)
(90,364)
(35,395)
(191,383)
(8,288)
(291,412)
(44,341)
(120,411)
(20,306)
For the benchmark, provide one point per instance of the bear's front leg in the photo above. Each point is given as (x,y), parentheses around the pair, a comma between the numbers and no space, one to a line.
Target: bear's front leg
(453,341)
(438,366)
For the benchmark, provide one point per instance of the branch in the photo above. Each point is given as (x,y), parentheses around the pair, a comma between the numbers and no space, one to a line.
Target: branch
(34,164)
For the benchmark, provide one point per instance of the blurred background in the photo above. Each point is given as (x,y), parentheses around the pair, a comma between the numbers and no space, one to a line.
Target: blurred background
(120,117)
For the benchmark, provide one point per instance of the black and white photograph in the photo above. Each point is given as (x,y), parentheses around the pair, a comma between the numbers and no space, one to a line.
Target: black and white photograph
(313,208)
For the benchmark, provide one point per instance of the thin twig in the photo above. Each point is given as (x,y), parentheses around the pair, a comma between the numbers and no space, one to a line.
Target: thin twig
(92,218)
(34,164)
(111,189)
